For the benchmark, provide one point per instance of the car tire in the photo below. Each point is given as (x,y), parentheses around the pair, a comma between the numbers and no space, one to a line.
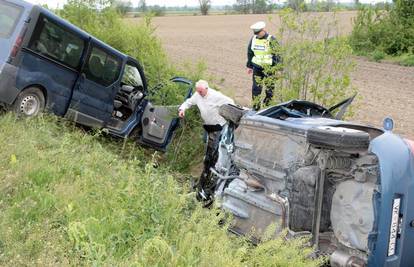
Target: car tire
(338,138)
(30,102)
(231,113)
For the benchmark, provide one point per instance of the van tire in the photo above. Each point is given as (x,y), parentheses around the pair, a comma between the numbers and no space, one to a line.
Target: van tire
(232,113)
(30,102)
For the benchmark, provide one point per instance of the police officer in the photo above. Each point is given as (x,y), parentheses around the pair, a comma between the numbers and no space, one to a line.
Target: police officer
(259,55)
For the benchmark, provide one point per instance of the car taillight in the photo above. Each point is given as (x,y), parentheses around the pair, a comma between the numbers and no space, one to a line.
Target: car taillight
(18,44)
(410,145)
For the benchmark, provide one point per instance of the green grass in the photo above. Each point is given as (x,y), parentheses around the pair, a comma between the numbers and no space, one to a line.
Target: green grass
(406,59)
(68,197)
(403,60)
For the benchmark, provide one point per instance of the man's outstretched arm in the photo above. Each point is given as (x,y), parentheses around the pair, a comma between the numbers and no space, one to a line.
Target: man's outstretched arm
(186,105)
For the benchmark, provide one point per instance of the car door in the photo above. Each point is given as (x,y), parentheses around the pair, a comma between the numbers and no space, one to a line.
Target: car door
(160,121)
(92,100)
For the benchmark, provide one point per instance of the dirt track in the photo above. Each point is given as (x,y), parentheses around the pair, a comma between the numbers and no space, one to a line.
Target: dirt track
(386,89)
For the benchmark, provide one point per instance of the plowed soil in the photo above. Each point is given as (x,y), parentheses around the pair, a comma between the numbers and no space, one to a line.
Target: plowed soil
(221,41)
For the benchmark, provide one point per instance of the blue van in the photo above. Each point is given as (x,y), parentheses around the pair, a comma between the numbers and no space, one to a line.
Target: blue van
(48,64)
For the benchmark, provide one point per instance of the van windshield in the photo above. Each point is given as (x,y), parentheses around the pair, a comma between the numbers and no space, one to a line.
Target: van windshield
(9,17)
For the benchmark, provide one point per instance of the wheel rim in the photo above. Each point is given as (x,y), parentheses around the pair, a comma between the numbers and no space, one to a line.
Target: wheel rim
(29,105)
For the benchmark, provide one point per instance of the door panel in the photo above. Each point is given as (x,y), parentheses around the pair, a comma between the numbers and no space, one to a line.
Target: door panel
(92,100)
(160,122)
(156,122)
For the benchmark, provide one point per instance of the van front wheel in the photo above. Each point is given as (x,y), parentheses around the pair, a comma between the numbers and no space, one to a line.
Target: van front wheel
(30,102)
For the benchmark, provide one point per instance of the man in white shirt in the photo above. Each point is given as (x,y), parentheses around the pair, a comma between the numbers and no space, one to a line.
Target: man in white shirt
(208,102)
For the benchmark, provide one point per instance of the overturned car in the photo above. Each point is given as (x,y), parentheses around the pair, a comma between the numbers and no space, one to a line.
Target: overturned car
(349,187)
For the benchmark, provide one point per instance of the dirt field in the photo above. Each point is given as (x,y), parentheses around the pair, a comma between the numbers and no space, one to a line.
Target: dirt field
(386,89)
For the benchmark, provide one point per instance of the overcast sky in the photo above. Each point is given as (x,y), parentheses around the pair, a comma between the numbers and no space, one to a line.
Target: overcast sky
(55,3)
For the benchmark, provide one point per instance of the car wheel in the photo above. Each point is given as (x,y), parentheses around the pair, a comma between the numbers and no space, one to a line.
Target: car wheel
(231,113)
(338,138)
(30,102)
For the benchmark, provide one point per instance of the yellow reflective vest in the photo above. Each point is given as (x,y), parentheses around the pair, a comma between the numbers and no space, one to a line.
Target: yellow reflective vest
(262,51)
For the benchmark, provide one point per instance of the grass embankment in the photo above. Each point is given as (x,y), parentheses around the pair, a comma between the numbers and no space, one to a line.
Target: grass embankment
(72,198)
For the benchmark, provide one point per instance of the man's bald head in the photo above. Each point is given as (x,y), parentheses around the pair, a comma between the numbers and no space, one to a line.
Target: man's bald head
(202,87)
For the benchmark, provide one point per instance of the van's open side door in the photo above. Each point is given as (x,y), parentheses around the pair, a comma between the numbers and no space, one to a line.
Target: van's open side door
(160,122)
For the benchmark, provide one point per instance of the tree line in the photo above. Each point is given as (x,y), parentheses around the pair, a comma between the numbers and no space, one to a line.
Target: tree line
(242,6)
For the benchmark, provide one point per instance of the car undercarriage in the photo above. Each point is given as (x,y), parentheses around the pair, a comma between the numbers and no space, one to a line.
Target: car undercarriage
(296,167)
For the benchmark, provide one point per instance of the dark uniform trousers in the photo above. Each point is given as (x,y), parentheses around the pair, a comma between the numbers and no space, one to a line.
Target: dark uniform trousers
(257,88)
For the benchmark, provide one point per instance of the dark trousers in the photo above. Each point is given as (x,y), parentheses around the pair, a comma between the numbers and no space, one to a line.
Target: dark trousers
(257,89)
(210,160)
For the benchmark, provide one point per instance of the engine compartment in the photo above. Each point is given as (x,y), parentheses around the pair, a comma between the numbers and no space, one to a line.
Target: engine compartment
(284,180)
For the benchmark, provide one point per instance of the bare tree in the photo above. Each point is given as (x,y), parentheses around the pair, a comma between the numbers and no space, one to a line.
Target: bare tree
(295,4)
(142,6)
(204,6)
(242,6)
(330,5)
(261,6)
(123,6)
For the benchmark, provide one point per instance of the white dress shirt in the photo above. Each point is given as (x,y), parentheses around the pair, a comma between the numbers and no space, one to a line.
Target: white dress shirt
(209,106)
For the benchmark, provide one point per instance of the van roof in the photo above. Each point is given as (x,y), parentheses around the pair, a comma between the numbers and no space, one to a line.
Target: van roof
(28,6)
(81,32)
(21,3)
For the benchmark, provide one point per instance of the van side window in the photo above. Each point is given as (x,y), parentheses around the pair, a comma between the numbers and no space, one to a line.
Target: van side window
(57,43)
(102,67)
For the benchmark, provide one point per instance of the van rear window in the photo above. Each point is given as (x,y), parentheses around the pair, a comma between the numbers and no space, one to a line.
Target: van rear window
(9,17)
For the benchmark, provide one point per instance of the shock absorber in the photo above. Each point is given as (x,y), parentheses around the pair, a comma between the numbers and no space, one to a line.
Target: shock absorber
(338,163)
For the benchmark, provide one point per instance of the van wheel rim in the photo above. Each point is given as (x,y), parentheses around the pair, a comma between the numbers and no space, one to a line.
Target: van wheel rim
(29,105)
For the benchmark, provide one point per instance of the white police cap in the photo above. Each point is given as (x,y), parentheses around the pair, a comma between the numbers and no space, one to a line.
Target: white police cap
(260,25)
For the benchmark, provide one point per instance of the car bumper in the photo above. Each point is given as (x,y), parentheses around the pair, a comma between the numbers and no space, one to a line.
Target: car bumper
(392,239)
(8,90)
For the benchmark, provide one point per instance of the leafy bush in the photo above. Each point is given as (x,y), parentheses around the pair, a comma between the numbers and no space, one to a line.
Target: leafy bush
(157,11)
(390,31)
(407,60)
(67,198)
(378,55)
(315,65)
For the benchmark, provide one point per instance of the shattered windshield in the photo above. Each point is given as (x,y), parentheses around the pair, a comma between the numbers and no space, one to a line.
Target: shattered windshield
(132,76)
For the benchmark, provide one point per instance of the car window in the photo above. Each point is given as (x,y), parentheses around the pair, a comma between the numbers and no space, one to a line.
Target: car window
(132,76)
(9,17)
(55,42)
(102,67)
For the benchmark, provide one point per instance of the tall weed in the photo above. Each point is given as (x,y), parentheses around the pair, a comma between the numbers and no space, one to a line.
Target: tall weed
(316,63)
